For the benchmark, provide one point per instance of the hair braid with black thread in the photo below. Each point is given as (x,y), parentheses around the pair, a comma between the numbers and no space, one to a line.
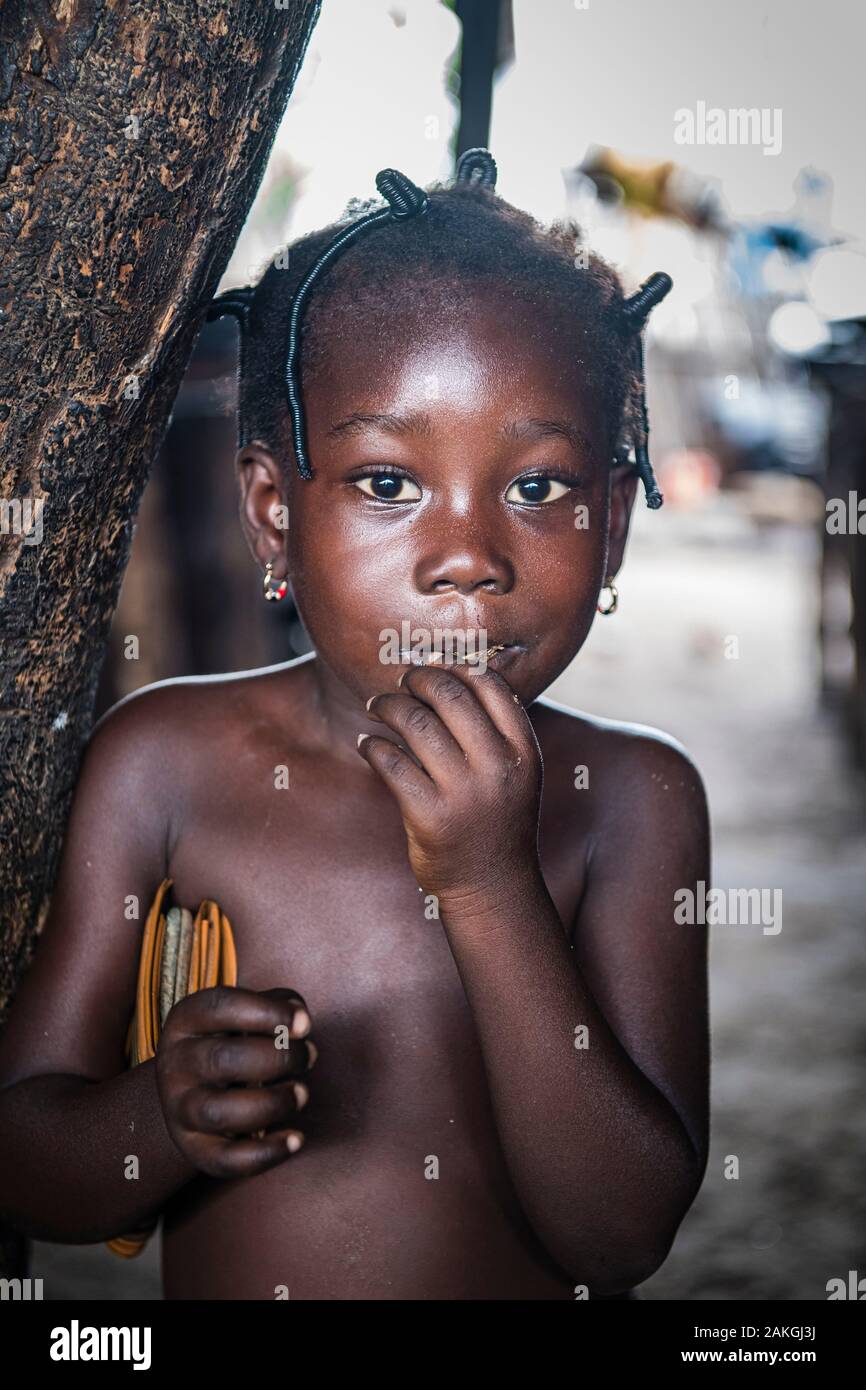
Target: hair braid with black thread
(351,275)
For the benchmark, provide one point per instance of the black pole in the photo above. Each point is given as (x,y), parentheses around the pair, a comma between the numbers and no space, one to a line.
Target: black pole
(480,21)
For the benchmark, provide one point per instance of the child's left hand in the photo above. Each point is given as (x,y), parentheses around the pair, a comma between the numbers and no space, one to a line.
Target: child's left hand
(471,808)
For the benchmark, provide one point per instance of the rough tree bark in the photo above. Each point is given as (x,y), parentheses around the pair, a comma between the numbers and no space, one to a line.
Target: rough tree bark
(133,136)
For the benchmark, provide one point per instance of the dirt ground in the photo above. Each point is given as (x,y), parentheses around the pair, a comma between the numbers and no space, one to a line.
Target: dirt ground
(788,1029)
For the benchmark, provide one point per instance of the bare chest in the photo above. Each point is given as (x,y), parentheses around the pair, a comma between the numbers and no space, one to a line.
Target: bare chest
(322,900)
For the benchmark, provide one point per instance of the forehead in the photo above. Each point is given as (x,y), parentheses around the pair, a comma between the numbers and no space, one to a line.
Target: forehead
(474,354)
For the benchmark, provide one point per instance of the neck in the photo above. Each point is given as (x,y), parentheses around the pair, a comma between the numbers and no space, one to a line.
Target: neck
(336,714)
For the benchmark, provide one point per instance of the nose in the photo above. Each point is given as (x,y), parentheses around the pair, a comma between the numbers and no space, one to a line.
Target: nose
(462,564)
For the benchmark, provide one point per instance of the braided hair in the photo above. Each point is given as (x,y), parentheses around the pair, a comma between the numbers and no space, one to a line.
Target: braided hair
(445,237)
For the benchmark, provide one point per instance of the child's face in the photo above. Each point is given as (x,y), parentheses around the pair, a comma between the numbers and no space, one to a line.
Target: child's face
(458,538)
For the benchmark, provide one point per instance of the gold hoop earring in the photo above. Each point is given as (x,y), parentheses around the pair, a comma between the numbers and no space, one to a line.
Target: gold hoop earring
(274,591)
(611,605)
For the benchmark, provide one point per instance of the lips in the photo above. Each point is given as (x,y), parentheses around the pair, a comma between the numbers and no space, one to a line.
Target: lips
(505,652)
(502,651)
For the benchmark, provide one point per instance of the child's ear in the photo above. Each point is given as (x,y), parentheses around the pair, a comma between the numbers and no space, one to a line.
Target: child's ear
(623,489)
(264,508)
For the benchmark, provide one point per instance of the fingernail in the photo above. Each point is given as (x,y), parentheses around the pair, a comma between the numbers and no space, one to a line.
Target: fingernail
(302,1095)
(313,1053)
(294,1140)
(300,1023)
(361,738)
(370,701)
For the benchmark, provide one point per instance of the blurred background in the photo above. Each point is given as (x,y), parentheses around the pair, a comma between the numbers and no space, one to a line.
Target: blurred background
(720,144)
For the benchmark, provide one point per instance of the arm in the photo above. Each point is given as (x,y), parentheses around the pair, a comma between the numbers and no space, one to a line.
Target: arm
(606,1144)
(70,1111)
(64,1148)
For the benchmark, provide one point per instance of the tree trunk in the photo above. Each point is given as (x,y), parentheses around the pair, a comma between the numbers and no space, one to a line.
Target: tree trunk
(133,137)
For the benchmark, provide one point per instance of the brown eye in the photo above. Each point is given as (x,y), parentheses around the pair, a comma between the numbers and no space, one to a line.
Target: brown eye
(537,489)
(389,487)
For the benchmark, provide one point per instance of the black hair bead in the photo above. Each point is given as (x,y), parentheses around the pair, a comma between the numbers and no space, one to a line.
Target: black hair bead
(476,166)
(637,308)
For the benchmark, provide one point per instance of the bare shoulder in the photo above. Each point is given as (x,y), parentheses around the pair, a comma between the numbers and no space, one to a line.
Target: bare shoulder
(173,723)
(155,753)
(631,772)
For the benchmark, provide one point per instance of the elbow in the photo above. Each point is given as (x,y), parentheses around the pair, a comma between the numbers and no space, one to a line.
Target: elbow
(622,1258)
(622,1270)
(57,1229)
(54,1227)
(618,1250)
(643,1255)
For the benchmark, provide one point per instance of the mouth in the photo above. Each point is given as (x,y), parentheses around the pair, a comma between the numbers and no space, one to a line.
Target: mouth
(498,652)
(504,653)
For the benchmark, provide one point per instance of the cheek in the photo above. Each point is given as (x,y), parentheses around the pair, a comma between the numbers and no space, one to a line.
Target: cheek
(349,588)
(337,563)
(565,573)
(565,564)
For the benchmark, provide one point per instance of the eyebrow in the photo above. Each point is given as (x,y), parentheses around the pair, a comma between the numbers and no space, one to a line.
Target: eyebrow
(417,422)
(413,422)
(548,429)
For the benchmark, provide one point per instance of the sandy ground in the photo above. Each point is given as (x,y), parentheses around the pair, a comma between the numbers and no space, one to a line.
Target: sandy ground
(787,1024)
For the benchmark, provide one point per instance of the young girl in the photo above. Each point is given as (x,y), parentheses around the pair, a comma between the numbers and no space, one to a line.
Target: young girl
(497,1080)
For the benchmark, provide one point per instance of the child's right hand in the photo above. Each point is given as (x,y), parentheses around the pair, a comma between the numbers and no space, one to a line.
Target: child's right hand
(224,1072)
